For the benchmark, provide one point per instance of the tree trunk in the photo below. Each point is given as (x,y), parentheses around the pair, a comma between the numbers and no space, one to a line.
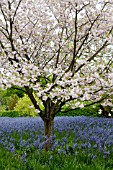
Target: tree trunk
(48,132)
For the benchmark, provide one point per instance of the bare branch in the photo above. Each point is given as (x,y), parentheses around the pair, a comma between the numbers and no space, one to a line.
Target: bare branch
(16,10)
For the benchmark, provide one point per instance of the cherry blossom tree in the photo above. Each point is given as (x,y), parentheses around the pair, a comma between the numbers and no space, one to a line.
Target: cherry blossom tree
(58,50)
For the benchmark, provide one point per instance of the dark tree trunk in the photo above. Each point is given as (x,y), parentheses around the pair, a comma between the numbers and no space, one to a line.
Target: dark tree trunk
(47,117)
(48,132)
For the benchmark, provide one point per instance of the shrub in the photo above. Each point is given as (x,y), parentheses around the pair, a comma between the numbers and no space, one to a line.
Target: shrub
(25,107)
(15,90)
(12,100)
(86,111)
(10,113)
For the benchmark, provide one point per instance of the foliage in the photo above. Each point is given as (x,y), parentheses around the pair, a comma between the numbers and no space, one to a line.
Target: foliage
(79,143)
(3,98)
(86,111)
(9,98)
(52,162)
(12,100)
(15,90)
(78,112)
(10,113)
(8,161)
(25,107)
(2,108)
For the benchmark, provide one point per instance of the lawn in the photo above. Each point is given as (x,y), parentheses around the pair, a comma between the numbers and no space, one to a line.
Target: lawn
(79,143)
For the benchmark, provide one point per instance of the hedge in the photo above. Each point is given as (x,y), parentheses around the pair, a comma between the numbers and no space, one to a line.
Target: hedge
(87,111)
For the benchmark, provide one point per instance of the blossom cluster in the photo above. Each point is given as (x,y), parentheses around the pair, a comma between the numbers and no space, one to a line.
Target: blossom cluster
(62,50)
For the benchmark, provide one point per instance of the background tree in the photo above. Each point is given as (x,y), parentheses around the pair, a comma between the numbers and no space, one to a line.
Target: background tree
(60,50)
(15,90)
(9,97)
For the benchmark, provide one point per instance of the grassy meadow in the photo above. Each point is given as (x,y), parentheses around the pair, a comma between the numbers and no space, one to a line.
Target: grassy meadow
(79,143)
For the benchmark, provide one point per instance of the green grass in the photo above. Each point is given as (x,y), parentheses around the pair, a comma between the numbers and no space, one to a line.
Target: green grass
(9,161)
(54,160)
(42,161)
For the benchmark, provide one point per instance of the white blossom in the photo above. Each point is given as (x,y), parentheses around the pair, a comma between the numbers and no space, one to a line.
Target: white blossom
(55,59)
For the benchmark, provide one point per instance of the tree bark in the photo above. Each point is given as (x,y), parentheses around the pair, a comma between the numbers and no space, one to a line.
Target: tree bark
(48,132)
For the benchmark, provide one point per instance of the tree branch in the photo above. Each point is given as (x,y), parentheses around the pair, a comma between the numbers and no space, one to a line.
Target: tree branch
(32,98)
